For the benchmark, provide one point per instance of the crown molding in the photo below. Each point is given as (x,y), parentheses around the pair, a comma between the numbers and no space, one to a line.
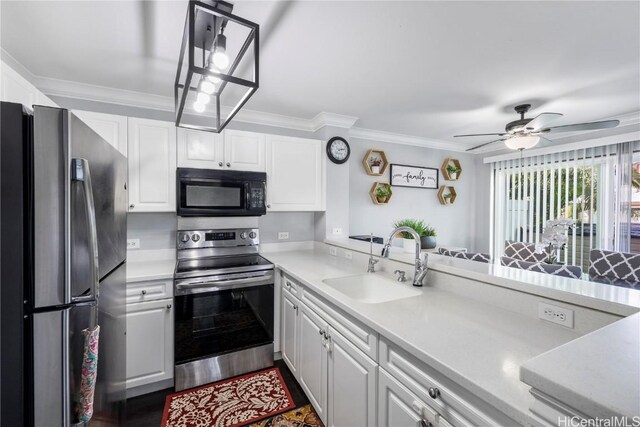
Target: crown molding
(331,119)
(377,135)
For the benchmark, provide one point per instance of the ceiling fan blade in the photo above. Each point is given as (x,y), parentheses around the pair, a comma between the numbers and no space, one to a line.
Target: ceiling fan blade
(480,134)
(544,142)
(582,126)
(486,143)
(542,121)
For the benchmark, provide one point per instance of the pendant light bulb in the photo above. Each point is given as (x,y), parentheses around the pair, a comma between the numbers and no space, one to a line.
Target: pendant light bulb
(203,98)
(213,79)
(198,107)
(207,87)
(219,57)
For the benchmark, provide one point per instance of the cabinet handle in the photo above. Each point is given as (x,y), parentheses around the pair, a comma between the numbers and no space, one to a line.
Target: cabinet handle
(219,163)
(228,164)
(269,206)
(295,307)
(320,331)
(143,292)
(425,423)
(168,306)
(131,206)
(434,393)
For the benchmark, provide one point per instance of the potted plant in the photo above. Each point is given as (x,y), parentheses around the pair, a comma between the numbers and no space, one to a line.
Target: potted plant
(428,238)
(447,197)
(375,165)
(453,171)
(417,225)
(382,193)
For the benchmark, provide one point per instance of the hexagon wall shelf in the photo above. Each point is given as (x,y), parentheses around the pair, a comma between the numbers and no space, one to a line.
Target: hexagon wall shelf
(444,191)
(445,173)
(374,189)
(373,154)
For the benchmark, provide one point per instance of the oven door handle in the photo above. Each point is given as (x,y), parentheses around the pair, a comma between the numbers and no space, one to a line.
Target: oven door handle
(184,287)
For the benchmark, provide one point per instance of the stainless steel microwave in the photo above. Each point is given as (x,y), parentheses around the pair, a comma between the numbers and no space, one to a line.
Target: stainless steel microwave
(206,192)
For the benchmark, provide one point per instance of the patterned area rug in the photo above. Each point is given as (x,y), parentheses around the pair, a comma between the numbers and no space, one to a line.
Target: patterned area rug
(229,403)
(304,416)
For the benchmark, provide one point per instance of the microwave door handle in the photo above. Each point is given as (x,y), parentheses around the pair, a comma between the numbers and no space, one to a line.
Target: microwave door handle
(82,174)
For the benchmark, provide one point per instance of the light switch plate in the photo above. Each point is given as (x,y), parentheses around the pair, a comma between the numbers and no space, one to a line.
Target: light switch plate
(283,235)
(133,243)
(337,231)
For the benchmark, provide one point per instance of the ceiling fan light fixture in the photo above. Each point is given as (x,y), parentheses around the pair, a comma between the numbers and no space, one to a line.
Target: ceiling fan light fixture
(522,142)
(215,98)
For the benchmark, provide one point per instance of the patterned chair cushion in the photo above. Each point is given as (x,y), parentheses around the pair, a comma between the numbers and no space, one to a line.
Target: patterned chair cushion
(480,257)
(523,251)
(572,271)
(616,268)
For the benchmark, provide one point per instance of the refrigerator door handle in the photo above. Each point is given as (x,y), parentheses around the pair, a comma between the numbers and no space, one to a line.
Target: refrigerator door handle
(82,173)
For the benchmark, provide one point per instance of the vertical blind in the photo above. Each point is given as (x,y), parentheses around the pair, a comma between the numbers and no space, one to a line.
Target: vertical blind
(591,186)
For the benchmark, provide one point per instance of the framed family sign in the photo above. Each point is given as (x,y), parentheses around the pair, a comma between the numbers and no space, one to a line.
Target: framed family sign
(414,176)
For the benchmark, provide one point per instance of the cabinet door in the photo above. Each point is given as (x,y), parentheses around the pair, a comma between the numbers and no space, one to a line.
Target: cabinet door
(197,149)
(244,151)
(290,307)
(295,174)
(152,166)
(398,407)
(352,384)
(109,126)
(312,359)
(149,342)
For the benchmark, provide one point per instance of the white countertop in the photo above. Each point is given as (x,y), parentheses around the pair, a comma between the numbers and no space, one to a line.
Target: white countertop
(575,371)
(599,296)
(479,346)
(150,265)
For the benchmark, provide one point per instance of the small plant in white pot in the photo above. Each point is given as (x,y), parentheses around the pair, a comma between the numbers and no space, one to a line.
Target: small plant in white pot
(417,225)
(453,171)
(428,238)
(376,163)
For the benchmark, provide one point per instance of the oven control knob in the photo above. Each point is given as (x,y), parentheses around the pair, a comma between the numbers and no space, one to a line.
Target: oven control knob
(252,235)
(184,238)
(243,235)
(195,237)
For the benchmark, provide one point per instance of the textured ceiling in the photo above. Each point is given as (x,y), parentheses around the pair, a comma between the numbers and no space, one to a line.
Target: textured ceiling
(428,69)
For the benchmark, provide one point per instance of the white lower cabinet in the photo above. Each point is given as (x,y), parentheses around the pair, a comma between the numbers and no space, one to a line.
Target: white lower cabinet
(398,407)
(289,331)
(149,342)
(352,384)
(312,363)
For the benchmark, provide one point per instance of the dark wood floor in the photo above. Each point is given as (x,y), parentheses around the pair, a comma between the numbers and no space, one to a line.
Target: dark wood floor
(146,410)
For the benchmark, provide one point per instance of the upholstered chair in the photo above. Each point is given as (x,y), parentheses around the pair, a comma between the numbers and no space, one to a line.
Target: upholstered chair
(614,268)
(572,271)
(523,251)
(480,257)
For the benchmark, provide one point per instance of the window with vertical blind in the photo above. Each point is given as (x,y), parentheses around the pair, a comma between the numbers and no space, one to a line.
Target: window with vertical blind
(597,187)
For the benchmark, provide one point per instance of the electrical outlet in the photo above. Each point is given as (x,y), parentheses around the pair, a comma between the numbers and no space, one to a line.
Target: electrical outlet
(552,313)
(348,254)
(337,231)
(283,235)
(333,251)
(133,243)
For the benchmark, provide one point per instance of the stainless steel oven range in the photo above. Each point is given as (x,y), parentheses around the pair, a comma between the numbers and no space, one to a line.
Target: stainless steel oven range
(224,306)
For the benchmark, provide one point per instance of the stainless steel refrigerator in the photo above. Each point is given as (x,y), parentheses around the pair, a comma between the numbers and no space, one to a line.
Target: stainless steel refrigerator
(63,241)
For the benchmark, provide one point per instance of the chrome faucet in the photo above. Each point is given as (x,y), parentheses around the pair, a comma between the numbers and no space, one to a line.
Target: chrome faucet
(372,262)
(420,263)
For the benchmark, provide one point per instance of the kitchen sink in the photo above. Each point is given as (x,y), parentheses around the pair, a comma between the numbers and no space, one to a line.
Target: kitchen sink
(371,288)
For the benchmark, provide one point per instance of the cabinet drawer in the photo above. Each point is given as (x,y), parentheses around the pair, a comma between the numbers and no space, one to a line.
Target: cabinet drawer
(362,337)
(290,285)
(149,290)
(456,404)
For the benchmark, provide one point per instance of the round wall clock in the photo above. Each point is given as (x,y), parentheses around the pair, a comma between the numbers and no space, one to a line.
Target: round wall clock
(338,150)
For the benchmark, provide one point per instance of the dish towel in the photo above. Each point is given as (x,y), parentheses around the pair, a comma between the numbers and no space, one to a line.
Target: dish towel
(89,373)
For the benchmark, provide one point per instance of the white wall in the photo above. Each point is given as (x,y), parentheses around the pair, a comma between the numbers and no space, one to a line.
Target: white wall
(453,223)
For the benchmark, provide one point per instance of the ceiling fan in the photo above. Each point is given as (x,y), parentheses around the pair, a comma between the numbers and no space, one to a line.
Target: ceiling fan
(526,133)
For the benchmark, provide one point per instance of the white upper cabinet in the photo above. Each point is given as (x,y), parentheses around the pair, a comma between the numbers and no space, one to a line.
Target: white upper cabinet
(244,151)
(197,149)
(295,174)
(229,150)
(15,88)
(152,166)
(110,127)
